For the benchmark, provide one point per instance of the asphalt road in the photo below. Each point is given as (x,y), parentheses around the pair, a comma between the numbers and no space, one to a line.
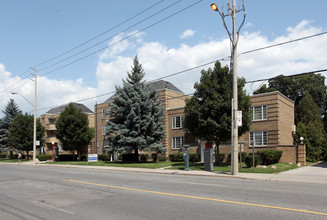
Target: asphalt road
(28,192)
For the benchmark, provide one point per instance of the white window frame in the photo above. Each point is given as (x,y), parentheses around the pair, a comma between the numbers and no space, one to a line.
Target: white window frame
(104,113)
(177,119)
(104,129)
(260,138)
(263,110)
(177,142)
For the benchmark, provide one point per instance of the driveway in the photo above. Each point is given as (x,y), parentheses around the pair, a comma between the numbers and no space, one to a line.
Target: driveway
(311,174)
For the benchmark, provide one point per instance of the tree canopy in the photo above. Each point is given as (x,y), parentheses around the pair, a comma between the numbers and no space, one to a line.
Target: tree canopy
(10,112)
(73,129)
(311,128)
(136,115)
(297,86)
(21,132)
(208,112)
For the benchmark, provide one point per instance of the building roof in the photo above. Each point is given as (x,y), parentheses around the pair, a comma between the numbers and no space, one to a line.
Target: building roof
(58,110)
(158,86)
(162,85)
(273,93)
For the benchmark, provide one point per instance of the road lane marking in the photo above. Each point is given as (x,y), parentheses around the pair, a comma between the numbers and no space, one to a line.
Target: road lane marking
(198,197)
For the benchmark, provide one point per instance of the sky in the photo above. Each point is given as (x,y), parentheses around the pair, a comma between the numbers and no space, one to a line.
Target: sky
(83,49)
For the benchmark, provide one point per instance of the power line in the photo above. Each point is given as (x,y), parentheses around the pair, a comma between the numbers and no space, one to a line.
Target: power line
(131,35)
(111,37)
(294,75)
(99,35)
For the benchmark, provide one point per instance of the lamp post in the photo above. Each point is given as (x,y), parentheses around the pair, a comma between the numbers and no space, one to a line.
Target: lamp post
(53,151)
(231,11)
(34,124)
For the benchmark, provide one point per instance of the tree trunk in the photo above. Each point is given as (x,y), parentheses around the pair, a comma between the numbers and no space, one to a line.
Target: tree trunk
(136,152)
(217,143)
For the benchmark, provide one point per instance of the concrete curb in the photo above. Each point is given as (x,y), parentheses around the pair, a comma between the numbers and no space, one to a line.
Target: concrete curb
(279,177)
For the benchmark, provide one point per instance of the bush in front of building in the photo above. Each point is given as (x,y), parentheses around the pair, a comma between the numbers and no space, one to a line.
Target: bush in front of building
(270,156)
(44,157)
(67,157)
(176,157)
(143,158)
(129,157)
(229,158)
(103,157)
(3,156)
(249,160)
(194,157)
(162,158)
(154,157)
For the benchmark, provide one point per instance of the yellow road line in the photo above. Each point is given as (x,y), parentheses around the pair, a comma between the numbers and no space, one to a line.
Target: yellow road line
(197,197)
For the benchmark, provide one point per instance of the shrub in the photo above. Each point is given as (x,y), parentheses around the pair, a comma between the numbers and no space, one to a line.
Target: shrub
(143,158)
(67,157)
(270,156)
(229,158)
(83,157)
(154,157)
(129,157)
(249,160)
(103,157)
(194,157)
(44,157)
(176,157)
(162,158)
(3,155)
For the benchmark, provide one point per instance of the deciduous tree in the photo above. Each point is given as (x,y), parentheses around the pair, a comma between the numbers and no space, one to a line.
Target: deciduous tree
(208,112)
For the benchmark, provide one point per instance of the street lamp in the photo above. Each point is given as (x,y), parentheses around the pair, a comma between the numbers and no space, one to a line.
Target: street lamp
(231,11)
(34,106)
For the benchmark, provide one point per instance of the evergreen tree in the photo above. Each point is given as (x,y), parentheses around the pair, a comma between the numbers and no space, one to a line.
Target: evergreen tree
(10,112)
(73,129)
(208,112)
(311,128)
(136,116)
(21,132)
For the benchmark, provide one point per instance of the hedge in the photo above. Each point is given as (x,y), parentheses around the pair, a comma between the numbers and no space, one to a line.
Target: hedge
(249,160)
(103,157)
(176,157)
(44,157)
(270,156)
(129,157)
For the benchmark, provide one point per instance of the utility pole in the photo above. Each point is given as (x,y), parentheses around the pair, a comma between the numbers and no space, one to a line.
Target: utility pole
(232,11)
(34,130)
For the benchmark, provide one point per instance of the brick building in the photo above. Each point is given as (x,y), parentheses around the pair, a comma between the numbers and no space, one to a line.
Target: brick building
(49,119)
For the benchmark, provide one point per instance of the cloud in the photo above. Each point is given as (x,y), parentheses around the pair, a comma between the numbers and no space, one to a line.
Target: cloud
(159,60)
(187,33)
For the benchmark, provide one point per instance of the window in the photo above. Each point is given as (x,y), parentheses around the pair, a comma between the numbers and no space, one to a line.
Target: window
(104,113)
(259,112)
(105,129)
(178,122)
(178,142)
(260,138)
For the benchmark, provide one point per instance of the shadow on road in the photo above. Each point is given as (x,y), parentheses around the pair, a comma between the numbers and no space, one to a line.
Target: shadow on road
(321,164)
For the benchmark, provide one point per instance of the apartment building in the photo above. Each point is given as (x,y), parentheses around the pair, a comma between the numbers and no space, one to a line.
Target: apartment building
(173,101)
(272,122)
(49,119)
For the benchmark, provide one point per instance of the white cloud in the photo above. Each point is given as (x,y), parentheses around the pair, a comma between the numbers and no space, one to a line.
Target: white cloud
(159,60)
(187,33)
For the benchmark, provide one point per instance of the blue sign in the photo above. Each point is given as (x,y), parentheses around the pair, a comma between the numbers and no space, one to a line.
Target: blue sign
(92,158)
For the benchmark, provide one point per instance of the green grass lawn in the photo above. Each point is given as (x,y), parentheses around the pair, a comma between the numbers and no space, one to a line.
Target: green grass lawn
(12,160)
(280,167)
(150,165)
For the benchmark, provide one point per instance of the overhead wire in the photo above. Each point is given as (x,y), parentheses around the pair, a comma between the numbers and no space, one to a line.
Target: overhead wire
(111,37)
(127,37)
(99,35)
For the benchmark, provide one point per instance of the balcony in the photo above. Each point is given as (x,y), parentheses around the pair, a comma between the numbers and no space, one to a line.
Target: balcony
(50,139)
(50,127)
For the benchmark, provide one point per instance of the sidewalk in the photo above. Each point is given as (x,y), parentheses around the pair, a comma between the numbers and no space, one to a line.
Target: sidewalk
(310,174)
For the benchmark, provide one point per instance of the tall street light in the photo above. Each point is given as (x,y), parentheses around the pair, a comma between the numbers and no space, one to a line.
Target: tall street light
(231,11)
(34,106)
